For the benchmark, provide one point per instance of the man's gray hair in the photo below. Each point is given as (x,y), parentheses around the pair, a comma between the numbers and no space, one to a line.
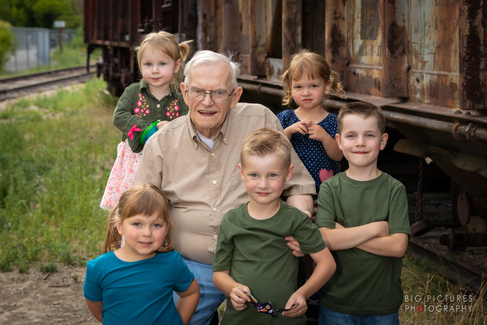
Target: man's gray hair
(210,57)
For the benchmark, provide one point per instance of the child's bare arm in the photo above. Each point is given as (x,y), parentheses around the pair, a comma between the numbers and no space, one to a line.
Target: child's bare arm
(187,302)
(230,288)
(330,145)
(394,245)
(346,238)
(96,307)
(325,268)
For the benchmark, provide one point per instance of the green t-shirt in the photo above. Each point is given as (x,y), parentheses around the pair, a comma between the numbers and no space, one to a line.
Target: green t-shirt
(256,254)
(137,106)
(363,283)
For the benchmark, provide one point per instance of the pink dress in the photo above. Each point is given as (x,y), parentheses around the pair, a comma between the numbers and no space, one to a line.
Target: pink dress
(121,176)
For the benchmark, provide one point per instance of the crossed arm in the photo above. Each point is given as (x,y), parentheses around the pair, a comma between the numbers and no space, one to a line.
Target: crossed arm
(373,238)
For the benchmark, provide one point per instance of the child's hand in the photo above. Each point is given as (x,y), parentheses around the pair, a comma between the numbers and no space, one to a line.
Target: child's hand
(299,300)
(161,124)
(239,298)
(294,245)
(300,127)
(316,132)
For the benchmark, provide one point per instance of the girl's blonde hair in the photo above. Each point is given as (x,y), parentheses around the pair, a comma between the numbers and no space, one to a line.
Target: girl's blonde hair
(312,64)
(167,43)
(139,200)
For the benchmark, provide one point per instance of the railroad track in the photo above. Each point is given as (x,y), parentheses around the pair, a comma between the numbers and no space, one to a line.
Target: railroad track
(449,265)
(23,85)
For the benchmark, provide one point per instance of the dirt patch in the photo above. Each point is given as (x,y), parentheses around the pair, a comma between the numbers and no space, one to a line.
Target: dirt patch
(44,299)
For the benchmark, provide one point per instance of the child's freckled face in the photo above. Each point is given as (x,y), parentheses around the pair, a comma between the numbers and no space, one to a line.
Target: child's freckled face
(360,140)
(264,177)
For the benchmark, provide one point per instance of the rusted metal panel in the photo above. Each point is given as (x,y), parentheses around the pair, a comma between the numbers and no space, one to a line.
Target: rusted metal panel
(314,25)
(473,55)
(231,27)
(257,38)
(433,52)
(207,24)
(336,52)
(291,29)
(394,49)
(364,72)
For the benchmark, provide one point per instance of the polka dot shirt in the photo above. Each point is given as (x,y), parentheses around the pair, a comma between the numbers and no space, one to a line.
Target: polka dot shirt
(311,152)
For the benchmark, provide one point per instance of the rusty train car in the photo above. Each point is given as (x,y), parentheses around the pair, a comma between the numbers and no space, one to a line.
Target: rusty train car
(423,61)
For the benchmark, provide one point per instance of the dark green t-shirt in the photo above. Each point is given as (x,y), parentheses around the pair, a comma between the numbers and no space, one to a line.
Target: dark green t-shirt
(256,254)
(137,106)
(364,283)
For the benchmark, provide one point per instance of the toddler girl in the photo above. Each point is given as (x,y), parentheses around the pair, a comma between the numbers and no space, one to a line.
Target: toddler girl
(134,284)
(146,106)
(310,128)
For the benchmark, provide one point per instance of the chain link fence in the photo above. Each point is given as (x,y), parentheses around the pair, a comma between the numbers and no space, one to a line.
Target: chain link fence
(33,46)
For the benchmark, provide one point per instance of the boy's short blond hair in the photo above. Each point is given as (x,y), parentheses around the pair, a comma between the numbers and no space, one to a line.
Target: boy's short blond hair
(363,109)
(264,142)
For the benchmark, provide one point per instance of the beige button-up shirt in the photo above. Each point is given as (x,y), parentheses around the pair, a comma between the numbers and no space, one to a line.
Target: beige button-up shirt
(203,184)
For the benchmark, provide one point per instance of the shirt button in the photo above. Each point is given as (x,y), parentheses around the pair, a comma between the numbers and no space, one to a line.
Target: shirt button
(215,209)
(213,154)
(158,105)
(215,236)
(214,182)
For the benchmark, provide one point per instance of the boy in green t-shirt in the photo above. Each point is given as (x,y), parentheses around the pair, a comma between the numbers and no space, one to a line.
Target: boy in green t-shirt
(252,255)
(363,217)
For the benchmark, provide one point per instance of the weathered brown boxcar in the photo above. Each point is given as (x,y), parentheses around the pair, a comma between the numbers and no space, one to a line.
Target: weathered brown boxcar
(423,61)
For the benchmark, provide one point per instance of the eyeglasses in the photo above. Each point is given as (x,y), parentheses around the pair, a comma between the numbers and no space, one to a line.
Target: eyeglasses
(217,96)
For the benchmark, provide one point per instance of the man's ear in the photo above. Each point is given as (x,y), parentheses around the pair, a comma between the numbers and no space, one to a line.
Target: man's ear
(182,86)
(383,142)
(236,96)
(339,141)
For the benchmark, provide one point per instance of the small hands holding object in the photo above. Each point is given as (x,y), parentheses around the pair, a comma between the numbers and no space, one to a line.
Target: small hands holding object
(267,307)
(239,298)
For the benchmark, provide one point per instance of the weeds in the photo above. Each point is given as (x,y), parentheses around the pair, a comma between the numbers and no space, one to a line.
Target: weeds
(53,170)
(50,267)
(430,299)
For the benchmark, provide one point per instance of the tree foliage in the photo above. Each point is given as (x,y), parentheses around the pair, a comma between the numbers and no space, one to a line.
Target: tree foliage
(41,13)
(6,43)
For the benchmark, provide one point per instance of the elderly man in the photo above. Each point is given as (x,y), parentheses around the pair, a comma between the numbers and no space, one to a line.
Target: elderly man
(194,161)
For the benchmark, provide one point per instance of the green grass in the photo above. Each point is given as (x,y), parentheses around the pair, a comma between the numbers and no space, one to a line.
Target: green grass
(55,159)
(423,286)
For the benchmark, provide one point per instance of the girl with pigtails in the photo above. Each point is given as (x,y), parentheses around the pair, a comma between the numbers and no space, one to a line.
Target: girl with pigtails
(146,106)
(309,127)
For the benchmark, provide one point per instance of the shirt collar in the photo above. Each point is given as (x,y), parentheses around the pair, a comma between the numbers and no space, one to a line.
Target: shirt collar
(223,130)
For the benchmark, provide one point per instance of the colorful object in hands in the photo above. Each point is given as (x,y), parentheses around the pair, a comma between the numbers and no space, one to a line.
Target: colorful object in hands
(130,134)
(151,129)
(265,308)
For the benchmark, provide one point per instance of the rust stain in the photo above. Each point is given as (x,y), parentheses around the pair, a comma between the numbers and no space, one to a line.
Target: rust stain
(337,41)
(473,83)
